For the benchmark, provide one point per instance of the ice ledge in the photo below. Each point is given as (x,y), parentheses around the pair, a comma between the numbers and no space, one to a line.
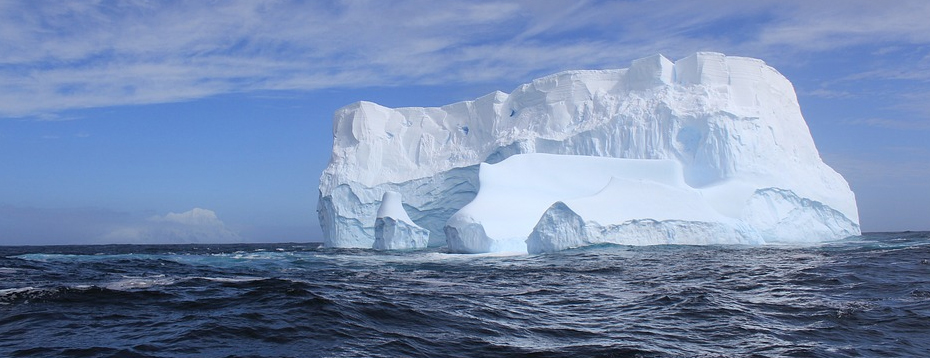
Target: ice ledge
(781,216)
(554,202)
(772,215)
(560,228)
(391,234)
(394,230)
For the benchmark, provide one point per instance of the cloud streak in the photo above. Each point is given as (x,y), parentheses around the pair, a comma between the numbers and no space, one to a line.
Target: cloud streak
(70,55)
(920,125)
(44,226)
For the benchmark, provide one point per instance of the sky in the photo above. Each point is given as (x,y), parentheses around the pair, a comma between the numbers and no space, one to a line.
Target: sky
(210,121)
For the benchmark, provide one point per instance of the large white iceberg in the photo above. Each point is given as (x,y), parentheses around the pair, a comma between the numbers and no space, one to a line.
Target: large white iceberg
(730,128)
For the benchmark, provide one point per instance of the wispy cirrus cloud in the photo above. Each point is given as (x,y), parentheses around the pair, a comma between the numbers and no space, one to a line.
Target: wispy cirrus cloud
(908,111)
(823,25)
(901,124)
(66,55)
(826,93)
(905,172)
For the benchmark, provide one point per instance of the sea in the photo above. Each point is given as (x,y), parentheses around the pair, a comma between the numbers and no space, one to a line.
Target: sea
(865,296)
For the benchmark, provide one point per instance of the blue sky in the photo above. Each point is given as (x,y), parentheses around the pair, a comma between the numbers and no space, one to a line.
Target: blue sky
(176,121)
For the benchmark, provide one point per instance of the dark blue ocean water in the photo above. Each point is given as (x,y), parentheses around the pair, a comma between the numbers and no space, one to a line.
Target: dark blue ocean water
(866,296)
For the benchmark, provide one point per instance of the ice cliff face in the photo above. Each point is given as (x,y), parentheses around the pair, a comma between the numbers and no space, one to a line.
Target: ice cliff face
(394,230)
(732,125)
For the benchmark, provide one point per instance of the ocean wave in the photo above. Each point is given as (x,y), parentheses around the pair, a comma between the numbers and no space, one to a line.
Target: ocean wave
(97,257)
(230,279)
(48,294)
(134,283)
(851,299)
(10,295)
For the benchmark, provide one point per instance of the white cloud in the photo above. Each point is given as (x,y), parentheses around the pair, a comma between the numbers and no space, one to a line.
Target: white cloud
(194,226)
(65,55)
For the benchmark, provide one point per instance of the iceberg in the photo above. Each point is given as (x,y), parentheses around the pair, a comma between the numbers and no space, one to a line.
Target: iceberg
(704,150)
(394,230)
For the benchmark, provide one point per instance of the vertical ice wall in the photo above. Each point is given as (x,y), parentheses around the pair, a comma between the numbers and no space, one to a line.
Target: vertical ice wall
(394,230)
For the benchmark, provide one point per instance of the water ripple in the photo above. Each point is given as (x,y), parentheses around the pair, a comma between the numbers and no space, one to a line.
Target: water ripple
(863,297)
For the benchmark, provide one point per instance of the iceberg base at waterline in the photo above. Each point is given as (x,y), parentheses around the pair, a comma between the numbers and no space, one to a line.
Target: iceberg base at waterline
(544,203)
(394,230)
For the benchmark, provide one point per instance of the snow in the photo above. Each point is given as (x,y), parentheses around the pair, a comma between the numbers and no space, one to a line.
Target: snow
(545,202)
(516,192)
(394,230)
(731,126)
(556,202)
(392,207)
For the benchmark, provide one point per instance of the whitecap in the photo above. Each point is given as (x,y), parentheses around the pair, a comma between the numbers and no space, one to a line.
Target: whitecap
(129,283)
(230,279)
(9,295)
(15,290)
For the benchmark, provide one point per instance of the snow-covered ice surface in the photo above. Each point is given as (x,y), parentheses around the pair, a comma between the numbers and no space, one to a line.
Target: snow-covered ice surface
(730,128)
(394,230)
(518,191)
